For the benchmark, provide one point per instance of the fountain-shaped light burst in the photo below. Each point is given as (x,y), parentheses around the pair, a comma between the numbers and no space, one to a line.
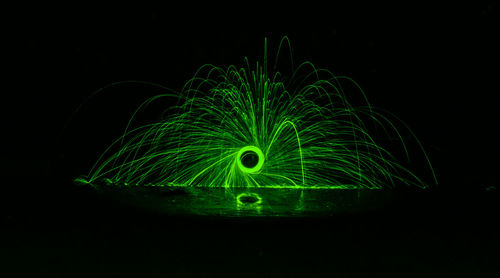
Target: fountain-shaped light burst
(253,127)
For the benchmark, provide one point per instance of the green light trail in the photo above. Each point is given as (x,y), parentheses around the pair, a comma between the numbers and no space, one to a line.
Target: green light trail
(251,126)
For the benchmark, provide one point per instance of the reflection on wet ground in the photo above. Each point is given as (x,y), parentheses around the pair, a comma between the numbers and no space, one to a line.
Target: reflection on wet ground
(236,202)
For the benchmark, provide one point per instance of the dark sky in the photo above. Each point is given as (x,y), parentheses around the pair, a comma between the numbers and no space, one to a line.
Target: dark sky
(432,66)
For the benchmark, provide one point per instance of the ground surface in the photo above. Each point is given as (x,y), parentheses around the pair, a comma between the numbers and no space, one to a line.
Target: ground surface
(83,233)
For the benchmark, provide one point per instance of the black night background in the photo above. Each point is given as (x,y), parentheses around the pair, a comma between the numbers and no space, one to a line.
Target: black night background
(434,67)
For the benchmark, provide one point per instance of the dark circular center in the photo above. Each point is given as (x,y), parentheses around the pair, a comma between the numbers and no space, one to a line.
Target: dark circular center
(248,199)
(249,159)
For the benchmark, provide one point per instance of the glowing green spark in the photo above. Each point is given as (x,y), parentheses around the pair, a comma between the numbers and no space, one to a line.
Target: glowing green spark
(250,153)
(253,127)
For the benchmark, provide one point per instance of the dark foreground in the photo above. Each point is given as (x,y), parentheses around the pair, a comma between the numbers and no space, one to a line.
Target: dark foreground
(79,232)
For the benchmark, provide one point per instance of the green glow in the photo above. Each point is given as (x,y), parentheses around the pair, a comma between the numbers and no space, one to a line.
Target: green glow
(249,198)
(249,201)
(248,151)
(254,127)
